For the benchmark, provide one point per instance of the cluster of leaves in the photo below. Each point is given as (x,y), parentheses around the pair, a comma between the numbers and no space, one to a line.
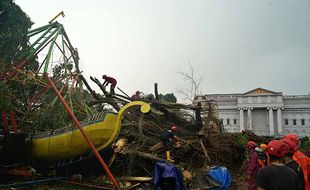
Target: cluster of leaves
(14,24)
(59,70)
(241,139)
(169,97)
(5,94)
(305,144)
(46,112)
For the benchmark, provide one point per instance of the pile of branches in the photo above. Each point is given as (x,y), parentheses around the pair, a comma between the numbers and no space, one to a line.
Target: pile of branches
(202,144)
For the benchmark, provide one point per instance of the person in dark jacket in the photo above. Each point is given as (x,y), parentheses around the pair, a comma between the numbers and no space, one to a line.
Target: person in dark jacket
(277,176)
(167,137)
(291,148)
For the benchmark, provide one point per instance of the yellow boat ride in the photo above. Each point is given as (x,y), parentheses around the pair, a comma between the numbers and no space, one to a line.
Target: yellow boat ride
(67,142)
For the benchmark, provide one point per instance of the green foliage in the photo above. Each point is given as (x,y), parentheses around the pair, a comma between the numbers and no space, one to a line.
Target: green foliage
(149,97)
(59,70)
(241,139)
(51,117)
(5,94)
(14,24)
(305,144)
(170,97)
(35,113)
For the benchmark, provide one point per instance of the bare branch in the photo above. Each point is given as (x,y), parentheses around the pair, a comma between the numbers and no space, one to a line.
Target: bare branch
(193,90)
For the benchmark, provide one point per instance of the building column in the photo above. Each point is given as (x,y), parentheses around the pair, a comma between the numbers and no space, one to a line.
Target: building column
(271,126)
(279,119)
(250,118)
(241,120)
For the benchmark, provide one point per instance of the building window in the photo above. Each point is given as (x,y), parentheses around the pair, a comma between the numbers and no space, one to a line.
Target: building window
(228,121)
(235,121)
(294,121)
(286,121)
(302,121)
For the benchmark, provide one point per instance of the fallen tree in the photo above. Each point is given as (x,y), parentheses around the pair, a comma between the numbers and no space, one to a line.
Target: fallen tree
(201,146)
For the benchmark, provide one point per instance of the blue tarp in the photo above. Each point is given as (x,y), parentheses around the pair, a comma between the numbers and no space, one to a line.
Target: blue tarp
(221,175)
(164,170)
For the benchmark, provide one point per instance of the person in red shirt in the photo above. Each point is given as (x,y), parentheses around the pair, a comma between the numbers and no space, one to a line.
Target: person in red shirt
(109,80)
(301,159)
(251,165)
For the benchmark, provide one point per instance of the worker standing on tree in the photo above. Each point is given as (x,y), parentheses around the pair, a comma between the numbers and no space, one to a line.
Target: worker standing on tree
(167,138)
(301,159)
(109,80)
(291,148)
(277,176)
(252,165)
(136,96)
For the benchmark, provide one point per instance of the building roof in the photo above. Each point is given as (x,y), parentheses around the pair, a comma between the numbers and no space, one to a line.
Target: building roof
(256,91)
(259,90)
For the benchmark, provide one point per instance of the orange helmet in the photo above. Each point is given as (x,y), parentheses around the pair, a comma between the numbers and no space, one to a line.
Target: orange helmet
(174,128)
(292,137)
(263,147)
(291,146)
(276,148)
(251,144)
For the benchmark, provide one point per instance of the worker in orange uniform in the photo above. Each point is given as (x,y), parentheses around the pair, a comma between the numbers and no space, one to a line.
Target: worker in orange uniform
(301,159)
(109,80)
(263,158)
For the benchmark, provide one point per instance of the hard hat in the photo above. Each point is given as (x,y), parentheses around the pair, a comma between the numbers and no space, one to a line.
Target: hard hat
(276,148)
(263,147)
(174,128)
(292,137)
(251,144)
(104,76)
(291,146)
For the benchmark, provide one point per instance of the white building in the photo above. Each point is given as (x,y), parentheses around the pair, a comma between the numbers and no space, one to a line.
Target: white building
(264,112)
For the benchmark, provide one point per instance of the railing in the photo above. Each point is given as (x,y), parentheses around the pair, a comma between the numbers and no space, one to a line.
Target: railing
(100,116)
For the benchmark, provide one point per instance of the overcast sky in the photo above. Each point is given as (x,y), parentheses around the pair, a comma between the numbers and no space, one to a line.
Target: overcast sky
(234,46)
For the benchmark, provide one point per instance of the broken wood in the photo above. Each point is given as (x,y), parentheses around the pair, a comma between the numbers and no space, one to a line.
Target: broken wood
(143,155)
(204,150)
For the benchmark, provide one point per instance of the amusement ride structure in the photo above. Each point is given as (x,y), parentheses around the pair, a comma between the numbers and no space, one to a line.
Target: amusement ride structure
(51,65)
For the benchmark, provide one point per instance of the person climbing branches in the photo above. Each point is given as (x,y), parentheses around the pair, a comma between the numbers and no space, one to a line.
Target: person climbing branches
(109,80)
(167,138)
